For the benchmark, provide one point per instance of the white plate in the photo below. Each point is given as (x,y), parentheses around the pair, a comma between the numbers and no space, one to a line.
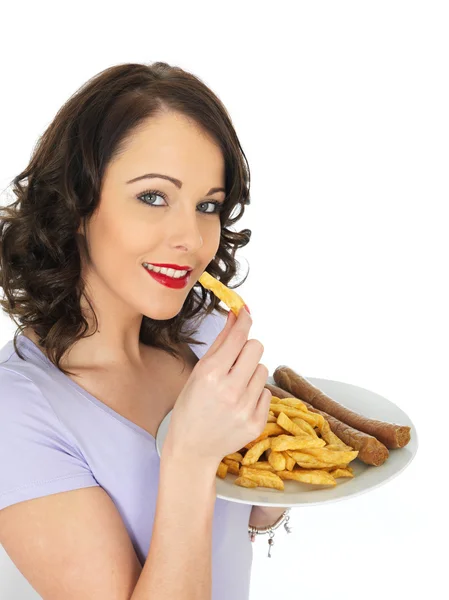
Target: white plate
(366,477)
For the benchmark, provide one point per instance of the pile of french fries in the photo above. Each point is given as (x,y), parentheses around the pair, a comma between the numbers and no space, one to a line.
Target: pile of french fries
(295,444)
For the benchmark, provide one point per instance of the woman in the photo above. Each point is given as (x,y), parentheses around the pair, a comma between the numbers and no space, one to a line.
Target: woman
(141,167)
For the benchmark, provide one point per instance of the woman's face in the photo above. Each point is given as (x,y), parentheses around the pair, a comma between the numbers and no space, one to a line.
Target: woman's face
(175,224)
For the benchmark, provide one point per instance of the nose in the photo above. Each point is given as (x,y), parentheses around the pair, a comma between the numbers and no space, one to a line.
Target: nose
(185,230)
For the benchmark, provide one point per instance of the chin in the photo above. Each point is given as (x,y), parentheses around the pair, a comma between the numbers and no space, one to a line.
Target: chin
(162,316)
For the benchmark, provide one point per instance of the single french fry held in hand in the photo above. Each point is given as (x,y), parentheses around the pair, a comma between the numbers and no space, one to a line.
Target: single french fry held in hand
(232,300)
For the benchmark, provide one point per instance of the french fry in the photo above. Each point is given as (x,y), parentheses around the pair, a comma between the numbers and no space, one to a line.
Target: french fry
(263,478)
(309,476)
(332,457)
(287,424)
(232,300)
(235,456)
(293,402)
(222,470)
(304,426)
(233,466)
(254,454)
(277,460)
(341,473)
(306,460)
(293,442)
(269,430)
(245,482)
(289,462)
(264,465)
(332,440)
(313,419)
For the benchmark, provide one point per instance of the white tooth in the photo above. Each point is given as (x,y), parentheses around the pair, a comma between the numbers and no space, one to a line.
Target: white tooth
(175,273)
(150,267)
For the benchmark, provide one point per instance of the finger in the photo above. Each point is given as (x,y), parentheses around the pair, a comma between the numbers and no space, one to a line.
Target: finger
(255,386)
(230,348)
(246,364)
(256,397)
(263,406)
(221,336)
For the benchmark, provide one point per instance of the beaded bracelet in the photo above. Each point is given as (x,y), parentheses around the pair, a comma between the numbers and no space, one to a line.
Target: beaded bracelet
(253,531)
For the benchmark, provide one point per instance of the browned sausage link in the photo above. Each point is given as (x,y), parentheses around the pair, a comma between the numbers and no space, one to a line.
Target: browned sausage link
(390,434)
(371,451)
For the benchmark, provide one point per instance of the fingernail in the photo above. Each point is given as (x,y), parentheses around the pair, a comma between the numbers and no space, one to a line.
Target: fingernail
(247,309)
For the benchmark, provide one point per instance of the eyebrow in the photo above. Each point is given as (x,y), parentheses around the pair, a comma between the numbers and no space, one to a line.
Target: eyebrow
(177,182)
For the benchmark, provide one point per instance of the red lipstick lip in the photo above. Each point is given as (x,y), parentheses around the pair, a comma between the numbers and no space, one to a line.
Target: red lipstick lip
(171,282)
(168,266)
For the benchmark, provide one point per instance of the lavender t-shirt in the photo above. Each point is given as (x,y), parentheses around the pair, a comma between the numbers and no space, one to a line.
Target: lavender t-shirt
(56,437)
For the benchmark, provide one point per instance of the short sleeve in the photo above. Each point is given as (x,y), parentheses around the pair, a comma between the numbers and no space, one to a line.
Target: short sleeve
(37,455)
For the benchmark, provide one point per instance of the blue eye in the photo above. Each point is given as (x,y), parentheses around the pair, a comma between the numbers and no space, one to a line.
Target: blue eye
(151,193)
(218,206)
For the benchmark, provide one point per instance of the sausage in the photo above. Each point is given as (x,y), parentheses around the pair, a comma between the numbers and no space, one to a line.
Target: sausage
(390,434)
(371,451)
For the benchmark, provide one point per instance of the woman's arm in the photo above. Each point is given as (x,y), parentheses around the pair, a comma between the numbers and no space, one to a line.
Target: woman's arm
(179,562)
(264,516)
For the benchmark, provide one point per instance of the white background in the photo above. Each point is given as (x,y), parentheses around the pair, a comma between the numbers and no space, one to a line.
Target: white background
(342,111)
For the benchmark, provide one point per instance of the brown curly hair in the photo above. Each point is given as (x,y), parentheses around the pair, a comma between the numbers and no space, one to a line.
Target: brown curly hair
(40,263)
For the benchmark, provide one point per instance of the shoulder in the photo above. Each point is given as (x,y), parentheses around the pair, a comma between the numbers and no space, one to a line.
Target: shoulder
(41,456)
(25,411)
(14,387)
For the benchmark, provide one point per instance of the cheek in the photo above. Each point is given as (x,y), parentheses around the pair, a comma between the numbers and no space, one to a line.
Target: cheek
(117,240)
(140,228)
(211,236)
